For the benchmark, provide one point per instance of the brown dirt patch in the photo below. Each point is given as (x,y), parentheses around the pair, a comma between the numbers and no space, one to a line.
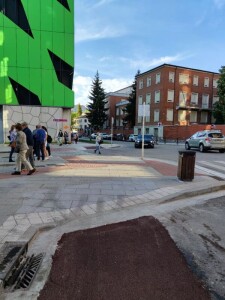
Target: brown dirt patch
(133,260)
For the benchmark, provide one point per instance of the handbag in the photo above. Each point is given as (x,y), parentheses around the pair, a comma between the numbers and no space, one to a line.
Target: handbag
(13,144)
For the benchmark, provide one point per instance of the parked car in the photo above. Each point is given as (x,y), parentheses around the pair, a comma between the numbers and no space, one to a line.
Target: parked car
(120,137)
(104,136)
(148,141)
(206,140)
(132,137)
(93,135)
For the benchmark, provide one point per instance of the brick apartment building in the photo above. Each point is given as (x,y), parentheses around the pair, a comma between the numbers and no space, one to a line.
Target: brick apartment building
(177,96)
(116,102)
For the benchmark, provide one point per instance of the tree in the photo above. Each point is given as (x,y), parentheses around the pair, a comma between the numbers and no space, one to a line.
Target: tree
(79,110)
(219,107)
(130,109)
(96,108)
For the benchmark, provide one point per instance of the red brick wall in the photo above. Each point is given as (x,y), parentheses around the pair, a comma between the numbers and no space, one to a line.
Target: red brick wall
(184,132)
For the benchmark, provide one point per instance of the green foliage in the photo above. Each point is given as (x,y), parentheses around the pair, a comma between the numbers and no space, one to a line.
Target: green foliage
(96,108)
(219,107)
(131,106)
(79,110)
(73,116)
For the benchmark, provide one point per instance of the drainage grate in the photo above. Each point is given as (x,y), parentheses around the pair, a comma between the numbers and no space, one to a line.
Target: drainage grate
(27,271)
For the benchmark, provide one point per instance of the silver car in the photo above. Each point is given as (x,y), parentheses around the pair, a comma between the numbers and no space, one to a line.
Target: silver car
(206,140)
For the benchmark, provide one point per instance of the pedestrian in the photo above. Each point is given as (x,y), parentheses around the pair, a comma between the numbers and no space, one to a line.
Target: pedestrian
(47,142)
(40,142)
(30,143)
(21,149)
(34,138)
(66,137)
(60,136)
(75,138)
(12,144)
(98,143)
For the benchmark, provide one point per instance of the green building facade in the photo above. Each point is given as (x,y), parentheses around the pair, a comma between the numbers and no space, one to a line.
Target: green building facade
(37,53)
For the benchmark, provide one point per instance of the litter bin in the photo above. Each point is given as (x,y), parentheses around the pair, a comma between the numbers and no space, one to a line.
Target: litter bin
(186,165)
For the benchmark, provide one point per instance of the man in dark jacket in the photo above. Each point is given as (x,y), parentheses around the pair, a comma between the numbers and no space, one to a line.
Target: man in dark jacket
(30,143)
(40,142)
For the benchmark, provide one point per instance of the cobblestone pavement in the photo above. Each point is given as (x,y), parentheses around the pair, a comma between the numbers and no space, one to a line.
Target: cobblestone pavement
(74,184)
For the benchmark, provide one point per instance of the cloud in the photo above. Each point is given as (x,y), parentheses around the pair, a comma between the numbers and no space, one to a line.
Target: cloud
(82,86)
(219,3)
(145,64)
(90,33)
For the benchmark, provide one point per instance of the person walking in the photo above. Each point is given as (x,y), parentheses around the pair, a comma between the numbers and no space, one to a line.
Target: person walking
(21,149)
(60,136)
(47,142)
(75,138)
(66,137)
(40,142)
(97,143)
(30,143)
(12,137)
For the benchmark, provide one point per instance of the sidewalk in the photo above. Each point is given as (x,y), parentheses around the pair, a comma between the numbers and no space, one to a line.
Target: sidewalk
(76,185)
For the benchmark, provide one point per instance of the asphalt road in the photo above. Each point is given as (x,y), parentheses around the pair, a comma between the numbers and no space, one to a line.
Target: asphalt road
(161,151)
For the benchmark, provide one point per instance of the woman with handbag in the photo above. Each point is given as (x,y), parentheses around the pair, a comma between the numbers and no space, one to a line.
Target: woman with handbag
(21,149)
(12,144)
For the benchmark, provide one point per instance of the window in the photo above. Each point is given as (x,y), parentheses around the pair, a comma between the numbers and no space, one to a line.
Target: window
(215,99)
(117,122)
(215,83)
(147,119)
(194,98)
(193,116)
(149,81)
(139,119)
(121,122)
(182,98)
(171,76)
(121,111)
(195,80)
(148,98)
(157,96)
(141,84)
(205,101)
(170,95)
(204,117)
(156,115)
(117,111)
(157,78)
(183,78)
(182,115)
(206,82)
(140,100)
(169,114)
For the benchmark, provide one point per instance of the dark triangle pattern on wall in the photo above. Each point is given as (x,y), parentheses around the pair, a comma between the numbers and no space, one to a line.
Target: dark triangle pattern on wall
(24,96)
(14,10)
(64,3)
(63,70)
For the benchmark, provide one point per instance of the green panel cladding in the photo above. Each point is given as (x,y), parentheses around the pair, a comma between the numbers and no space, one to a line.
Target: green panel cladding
(37,53)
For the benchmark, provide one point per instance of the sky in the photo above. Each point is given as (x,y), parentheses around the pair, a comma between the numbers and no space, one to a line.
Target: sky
(119,37)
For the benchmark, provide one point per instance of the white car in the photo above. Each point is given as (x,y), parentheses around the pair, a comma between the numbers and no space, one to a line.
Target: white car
(132,137)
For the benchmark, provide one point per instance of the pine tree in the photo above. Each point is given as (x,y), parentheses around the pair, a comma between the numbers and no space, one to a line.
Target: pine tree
(79,110)
(219,106)
(130,109)
(96,108)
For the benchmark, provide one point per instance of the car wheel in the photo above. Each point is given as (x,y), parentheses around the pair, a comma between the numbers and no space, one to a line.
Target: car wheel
(221,150)
(201,148)
(187,147)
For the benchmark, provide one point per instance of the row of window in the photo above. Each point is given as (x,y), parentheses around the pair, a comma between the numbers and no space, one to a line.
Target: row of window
(182,116)
(183,97)
(183,79)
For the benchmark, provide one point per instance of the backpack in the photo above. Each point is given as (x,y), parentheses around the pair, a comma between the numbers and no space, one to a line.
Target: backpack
(49,139)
